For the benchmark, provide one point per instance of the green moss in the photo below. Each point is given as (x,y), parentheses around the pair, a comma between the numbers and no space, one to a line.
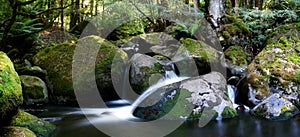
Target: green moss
(236,55)
(57,61)
(16,132)
(296,78)
(10,88)
(39,127)
(200,50)
(228,112)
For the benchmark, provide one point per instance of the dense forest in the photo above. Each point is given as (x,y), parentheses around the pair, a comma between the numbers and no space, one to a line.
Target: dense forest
(166,59)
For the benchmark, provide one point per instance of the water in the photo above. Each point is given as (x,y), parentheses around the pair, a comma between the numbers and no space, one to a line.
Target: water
(71,122)
(231,91)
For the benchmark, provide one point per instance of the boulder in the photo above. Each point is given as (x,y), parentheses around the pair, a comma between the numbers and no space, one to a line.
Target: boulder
(34,90)
(275,107)
(144,72)
(193,98)
(27,69)
(10,89)
(13,131)
(38,126)
(57,61)
(187,54)
(276,68)
(236,61)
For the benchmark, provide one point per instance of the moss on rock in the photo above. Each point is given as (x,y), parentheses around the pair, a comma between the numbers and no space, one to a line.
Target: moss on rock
(57,61)
(38,126)
(10,88)
(277,65)
(236,55)
(12,131)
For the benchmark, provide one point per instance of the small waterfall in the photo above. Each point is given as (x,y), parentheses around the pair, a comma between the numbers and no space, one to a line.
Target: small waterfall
(170,71)
(170,77)
(231,91)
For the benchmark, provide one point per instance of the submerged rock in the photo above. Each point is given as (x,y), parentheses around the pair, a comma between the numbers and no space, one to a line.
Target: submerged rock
(197,97)
(10,89)
(38,126)
(275,107)
(13,131)
(34,90)
(276,68)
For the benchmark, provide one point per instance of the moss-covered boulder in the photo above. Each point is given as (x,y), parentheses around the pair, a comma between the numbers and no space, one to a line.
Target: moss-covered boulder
(205,57)
(13,131)
(276,68)
(38,126)
(110,66)
(57,61)
(275,107)
(234,30)
(236,60)
(34,90)
(199,97)
(10,89)
(144,72)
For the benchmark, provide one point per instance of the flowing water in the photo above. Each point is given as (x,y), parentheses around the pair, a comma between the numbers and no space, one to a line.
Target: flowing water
(71,122)
(78,122)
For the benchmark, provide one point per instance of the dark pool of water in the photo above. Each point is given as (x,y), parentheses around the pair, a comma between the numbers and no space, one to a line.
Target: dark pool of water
(71,122)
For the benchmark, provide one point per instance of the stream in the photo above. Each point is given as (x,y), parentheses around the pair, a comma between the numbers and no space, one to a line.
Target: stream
(71,122)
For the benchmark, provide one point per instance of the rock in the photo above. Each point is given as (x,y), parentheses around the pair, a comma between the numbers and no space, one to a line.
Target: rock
(38,126)
(276,68)
(10,89)
(193,98)
(275,107)
(206,58)
(187,54)
(236,61)
(27,69)
(13,131)
(34,90)
(57,61)
(144,72)
(234,30)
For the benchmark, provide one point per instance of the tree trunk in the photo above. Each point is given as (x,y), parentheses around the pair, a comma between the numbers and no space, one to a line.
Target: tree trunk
(91,7)
(197,4)
(62,15)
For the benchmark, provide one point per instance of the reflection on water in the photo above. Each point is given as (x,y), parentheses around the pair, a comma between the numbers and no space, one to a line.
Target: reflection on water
(71,122)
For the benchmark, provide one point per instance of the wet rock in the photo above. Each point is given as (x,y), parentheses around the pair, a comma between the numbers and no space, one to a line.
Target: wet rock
(10,89)
(34,90)
(275,107)
(193,98)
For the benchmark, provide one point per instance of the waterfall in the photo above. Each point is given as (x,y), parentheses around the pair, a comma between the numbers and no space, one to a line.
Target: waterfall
(170,71)
(216,9)
(170,77)
(231,91)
